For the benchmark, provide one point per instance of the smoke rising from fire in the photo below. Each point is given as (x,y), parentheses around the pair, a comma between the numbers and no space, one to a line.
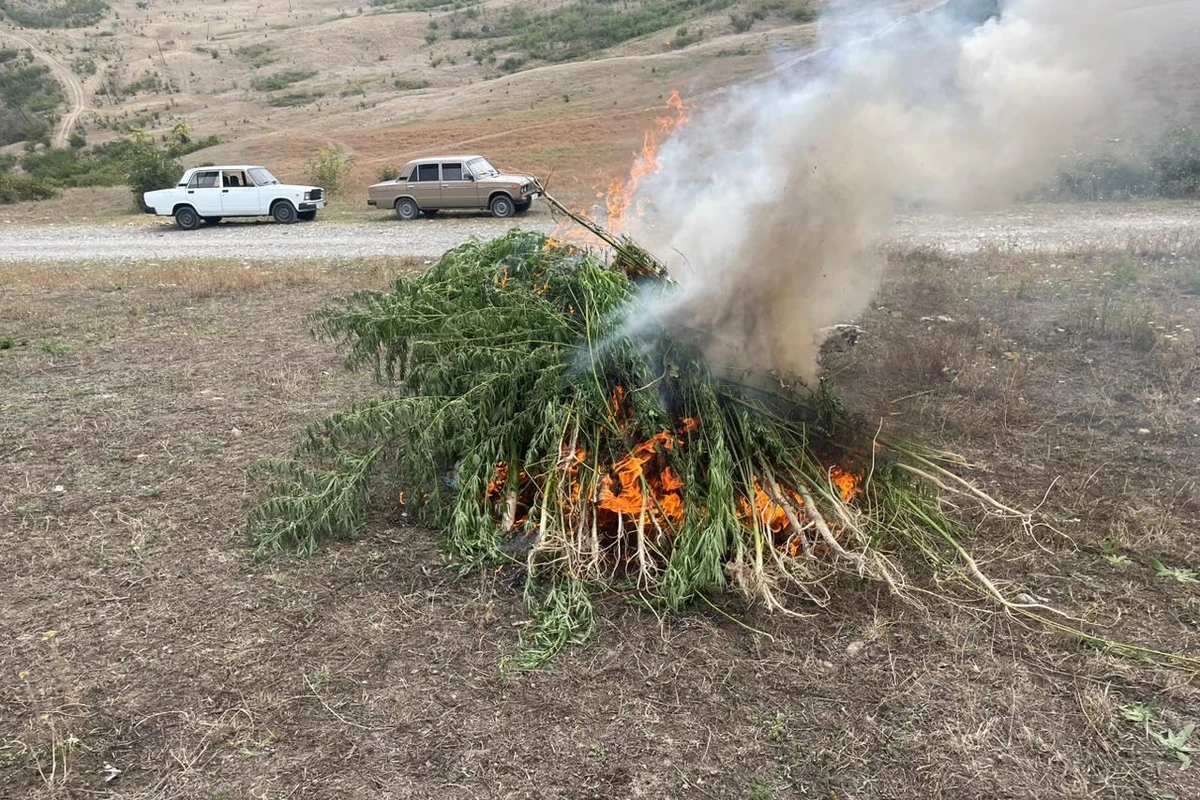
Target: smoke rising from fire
(769,204)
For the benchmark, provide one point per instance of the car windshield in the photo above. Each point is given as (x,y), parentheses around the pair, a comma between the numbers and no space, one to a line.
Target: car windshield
(262,177)
(480,168)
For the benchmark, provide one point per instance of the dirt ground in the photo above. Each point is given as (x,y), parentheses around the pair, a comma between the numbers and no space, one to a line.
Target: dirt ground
(143,655)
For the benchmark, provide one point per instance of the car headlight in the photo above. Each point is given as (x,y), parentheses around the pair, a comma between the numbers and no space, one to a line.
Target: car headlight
(308,195)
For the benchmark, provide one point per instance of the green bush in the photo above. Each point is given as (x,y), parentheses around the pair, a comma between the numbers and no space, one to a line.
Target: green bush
(1169,168)
(282,80)
(741,22)
(1175,165)
(328,170)
(51,14)
(29,94)
(136,161)
(20,188)
(410,84)
(387,172)
(292,99)
(259,55)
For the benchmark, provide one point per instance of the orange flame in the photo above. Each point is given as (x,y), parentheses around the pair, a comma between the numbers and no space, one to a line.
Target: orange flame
(641,490)
(617,196)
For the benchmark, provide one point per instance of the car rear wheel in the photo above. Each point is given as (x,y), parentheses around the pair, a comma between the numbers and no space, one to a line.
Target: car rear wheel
(211,220)
(187,218)
(502,206)
(284,213)
(307,216)
(407,209)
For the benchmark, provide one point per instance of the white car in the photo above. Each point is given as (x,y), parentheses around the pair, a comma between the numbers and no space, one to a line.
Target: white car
(208,194)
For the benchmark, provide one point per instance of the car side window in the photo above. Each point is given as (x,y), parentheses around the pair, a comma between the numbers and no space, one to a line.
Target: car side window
(427,172)
(203,180)
(452,172)
(236,179)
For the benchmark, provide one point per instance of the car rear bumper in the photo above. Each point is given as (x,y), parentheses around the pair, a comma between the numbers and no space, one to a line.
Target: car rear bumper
(148,210)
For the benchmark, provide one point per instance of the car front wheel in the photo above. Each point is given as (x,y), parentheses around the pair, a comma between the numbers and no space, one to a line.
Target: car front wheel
(407,209)
(187,218)
(284,213)
(502,206)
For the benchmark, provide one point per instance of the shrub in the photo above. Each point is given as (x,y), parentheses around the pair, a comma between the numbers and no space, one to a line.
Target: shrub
(1175,165)
(741,22)
(20,188)
(328,170)
(387,172)
(410,84)
(282,80)
(62,14)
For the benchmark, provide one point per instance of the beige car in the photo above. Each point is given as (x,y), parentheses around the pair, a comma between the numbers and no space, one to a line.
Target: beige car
(428,185)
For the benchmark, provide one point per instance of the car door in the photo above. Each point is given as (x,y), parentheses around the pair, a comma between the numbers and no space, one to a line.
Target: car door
(204,192)
(239,195)
(424,184)
(458,188)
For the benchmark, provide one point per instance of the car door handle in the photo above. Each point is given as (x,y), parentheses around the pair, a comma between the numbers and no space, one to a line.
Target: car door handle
(224,191)
(445,186)
(190,191)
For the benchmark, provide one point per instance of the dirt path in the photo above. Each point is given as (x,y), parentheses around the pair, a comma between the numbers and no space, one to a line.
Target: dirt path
(63,74)
(1031,228)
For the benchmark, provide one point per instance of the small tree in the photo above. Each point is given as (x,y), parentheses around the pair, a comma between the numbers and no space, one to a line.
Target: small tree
(328,170)
(387,172)
(148,167)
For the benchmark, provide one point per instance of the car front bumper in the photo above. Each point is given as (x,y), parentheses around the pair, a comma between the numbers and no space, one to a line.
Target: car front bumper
(311,205)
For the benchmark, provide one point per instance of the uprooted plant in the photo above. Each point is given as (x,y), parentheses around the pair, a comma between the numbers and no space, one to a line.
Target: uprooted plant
(530,425)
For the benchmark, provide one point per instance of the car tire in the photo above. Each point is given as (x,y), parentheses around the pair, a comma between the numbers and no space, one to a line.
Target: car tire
(307,216)
(283,212)
(186,218)
(502,206)
(211,220)
(407,209)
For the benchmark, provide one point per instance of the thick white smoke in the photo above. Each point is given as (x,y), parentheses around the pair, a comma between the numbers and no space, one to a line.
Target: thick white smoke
(769,203)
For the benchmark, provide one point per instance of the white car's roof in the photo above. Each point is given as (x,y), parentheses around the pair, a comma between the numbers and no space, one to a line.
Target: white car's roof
(229,166)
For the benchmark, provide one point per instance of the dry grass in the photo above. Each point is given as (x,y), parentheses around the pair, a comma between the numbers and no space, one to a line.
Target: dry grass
(203,278)
(123,457)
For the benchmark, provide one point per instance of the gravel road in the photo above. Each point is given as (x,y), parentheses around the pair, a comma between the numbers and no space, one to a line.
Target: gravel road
(1029,228)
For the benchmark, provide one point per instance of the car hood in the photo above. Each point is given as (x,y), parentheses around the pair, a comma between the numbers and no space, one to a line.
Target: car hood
(508,178)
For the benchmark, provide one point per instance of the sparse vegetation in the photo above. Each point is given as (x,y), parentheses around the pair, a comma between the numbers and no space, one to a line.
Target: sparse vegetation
(259,55)
(425,5)
(387,172)
(282,80)
(582,28)
(404,84)
(54,13)
(328,169)
(1170,168)
(136,161)
(29,97)
(292,99)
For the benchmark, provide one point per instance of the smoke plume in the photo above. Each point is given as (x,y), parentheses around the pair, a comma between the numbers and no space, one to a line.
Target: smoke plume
(770,204)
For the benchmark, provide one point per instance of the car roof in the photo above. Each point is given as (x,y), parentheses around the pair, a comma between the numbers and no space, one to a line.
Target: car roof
(439,159)
(228,166)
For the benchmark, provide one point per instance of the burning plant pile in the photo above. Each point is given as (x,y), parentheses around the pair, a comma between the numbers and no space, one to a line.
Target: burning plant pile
(529,426)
